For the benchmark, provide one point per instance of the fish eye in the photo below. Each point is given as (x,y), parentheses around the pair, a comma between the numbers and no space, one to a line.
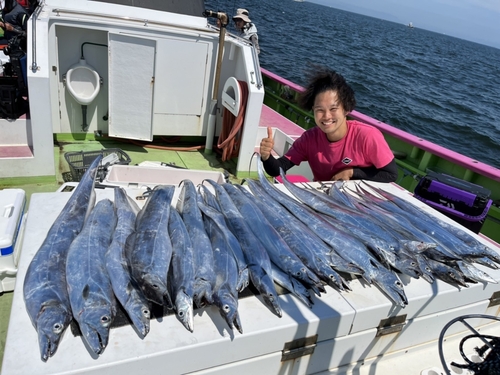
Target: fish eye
(180,313)
(105,319)
(57,328)
(226,308)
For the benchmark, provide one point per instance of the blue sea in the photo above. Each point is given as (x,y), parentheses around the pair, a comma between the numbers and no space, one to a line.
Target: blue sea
(437,87)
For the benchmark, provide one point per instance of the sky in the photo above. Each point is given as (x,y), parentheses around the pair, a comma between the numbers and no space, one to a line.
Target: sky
(474,20)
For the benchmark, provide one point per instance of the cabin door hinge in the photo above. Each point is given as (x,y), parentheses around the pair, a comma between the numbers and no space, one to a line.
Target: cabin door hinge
(299,348)
(391,325)
(495,299)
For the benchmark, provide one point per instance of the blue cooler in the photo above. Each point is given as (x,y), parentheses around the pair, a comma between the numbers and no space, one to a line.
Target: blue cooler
(12,207)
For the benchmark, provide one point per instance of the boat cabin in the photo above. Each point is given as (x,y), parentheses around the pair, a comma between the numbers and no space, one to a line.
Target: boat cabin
(111,69)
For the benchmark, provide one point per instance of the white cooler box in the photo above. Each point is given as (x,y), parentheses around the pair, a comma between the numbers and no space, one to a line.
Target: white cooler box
(358,330)
(138,176)
(12,206)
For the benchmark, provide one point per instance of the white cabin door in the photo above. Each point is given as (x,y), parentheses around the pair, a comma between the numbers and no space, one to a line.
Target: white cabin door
(131,86)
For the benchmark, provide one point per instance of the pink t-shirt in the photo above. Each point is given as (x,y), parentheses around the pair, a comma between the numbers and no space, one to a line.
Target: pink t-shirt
(362,146)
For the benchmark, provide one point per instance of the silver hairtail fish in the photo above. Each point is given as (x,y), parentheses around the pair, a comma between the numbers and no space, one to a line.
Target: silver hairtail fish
(316,248)
(475,274)
(301,241)
(126,291)
(259,264)
(45,291)
(452,236)
(344,243)
(204,282)
(210,212)
(90,292)
(226,271)
(279,251)
(181,275)
(149,249)
(448,274)
(293,285)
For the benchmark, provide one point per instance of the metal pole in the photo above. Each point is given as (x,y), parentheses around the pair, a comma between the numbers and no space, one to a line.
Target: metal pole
(213,105)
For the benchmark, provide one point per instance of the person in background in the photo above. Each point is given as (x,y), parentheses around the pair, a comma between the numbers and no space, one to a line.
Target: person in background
(247,29)
(14,19)
(336,148)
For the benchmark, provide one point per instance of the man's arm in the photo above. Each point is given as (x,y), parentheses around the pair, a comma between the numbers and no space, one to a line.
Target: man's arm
(389,173)
(272,165)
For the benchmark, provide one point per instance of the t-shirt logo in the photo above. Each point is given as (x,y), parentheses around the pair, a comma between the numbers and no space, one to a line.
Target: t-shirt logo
(346,161)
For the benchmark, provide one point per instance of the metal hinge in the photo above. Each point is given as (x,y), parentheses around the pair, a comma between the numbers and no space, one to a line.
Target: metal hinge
(391,325)
(495,299)
(298,348)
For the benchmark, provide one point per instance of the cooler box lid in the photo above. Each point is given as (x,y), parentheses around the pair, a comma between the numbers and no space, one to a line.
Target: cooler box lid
(12,205)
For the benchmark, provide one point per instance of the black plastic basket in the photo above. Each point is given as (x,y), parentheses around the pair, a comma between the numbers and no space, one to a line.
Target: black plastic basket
(80,161)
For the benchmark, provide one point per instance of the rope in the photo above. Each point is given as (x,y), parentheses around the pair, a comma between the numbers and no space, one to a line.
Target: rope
(232,127)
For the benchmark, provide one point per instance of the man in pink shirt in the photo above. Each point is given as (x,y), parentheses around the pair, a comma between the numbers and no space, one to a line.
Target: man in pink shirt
(337,148)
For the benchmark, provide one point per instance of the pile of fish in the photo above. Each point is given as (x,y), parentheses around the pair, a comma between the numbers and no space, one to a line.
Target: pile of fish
(216,239)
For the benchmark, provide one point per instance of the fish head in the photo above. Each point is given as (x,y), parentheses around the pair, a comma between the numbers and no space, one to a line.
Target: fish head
(94,323)
(265,285)
(425,269)
(390,284)
(140,315)
(184,310)
(456,277)
(228,308)
(202,293)
(409,266)
(490,253)
(154,288)
(50,325)
(447,273)
(308,278)
(271,301)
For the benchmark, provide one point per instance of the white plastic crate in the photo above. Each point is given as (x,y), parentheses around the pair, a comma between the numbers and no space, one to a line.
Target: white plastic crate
(12,207)
(141,176)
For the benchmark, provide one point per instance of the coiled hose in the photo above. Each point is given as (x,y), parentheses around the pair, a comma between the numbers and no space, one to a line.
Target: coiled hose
(232,127)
